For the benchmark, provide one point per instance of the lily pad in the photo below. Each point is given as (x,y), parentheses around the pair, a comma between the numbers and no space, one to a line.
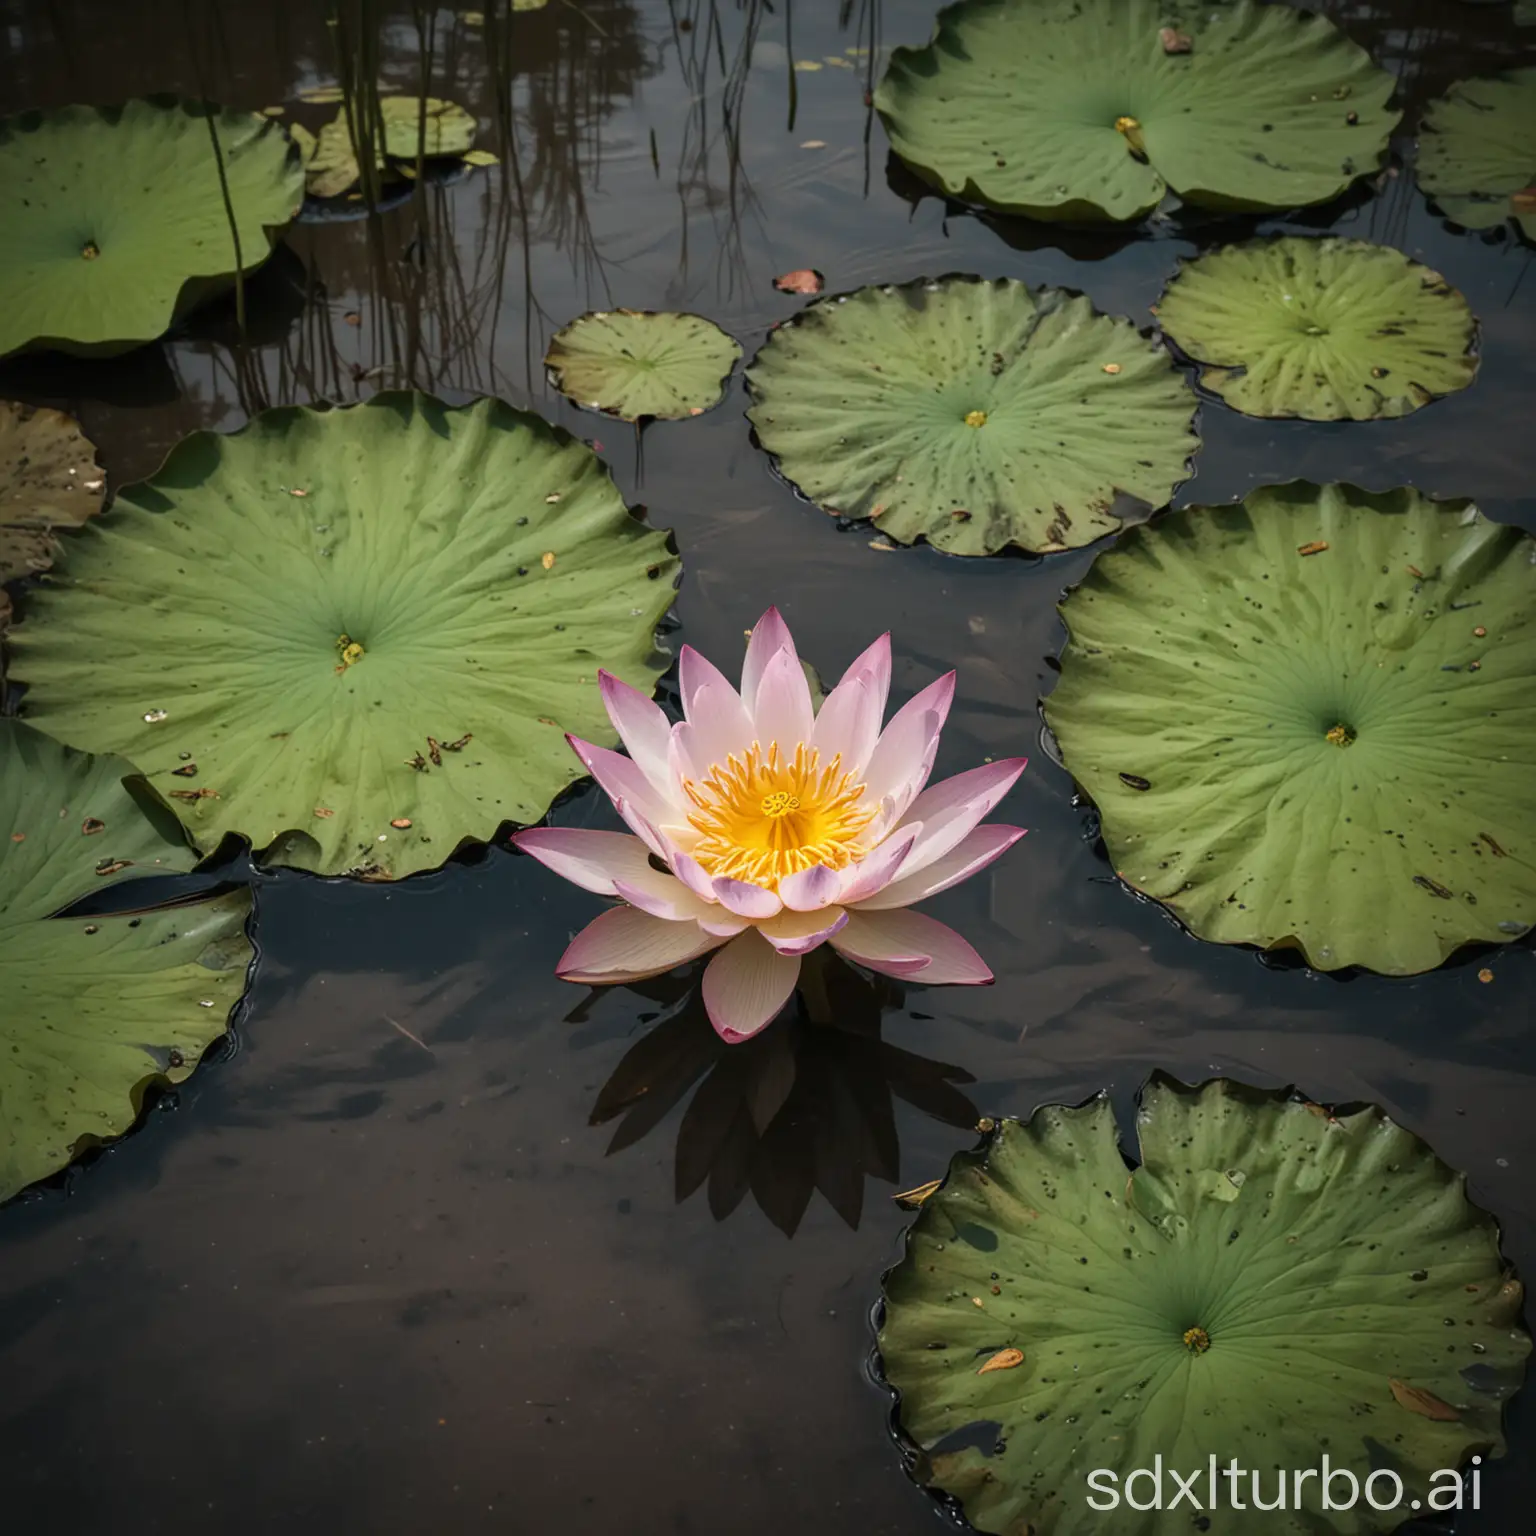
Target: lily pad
(636,364)
(441,129)
(1476,159)
(972,413)
(356,637)
(1080,109)
(115,219)
(1307,720)
(1271,1284)
(1323,329)
(48,479)
(96,1009)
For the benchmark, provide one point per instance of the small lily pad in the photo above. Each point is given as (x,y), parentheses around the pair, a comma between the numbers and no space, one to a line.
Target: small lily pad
(1307,721)
(1271,1283)
(1081,110)
(329,622)
(636,364)
(440,129)
(96,1009)
(1323,329)
(115,219)
(1476,160)
(974,413)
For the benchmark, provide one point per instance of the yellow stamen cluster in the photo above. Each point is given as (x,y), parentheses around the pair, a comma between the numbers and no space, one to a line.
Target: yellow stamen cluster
(761,817)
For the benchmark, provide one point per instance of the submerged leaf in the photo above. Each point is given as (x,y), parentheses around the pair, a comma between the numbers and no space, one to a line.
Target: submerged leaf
(1095,109)
(48,479)
(1323,329)
(115,221)
(95,1010)
(637,365)
(1262,1285)
(209,615)
(1313,751)
(972,413)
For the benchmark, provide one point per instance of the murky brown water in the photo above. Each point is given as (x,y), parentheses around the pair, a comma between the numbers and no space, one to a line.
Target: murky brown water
(364,1282)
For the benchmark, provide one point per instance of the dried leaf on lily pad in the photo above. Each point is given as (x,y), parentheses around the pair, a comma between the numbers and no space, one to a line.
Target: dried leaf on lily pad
(1079,110)
(974,413)
(639,365)
(115,221)
(1307,722)
(1324,329)
(348,609)
(1477,152)
(96,1009)
(48,479)
(1263,1284)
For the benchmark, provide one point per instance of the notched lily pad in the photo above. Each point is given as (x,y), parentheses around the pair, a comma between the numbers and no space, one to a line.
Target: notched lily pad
(1269,1284)
(972,413)
(330,623)
(407,127)
(115,219)
(96,1009)
(1084,110)
(1477,152)
(1307,718)
(1323,329)
(637,364)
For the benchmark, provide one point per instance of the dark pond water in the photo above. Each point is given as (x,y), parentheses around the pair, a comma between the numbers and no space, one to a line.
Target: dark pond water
(377,1270)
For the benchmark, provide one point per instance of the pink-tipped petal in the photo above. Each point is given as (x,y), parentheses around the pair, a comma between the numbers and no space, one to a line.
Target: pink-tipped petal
(892,941)
(592,860)
(663,896)
(977,849)
(720,728)
(643,728)
(903,757)
(951,809)
(878,868)
(798,933)
(744,899)
(626,945)
(848,726)
(769,635)
(622,781)
(691,873)
(873,668)
(810,889)
(746,985)
(696,671)
(650,835)
(781,711)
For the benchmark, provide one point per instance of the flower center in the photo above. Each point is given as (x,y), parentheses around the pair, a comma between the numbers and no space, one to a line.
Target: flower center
(1196,1340)
(761,816)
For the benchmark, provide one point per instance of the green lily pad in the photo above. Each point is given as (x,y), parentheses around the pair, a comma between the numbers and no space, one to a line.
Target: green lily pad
(1324,329)
(635,364)
(972,413)
(96,1009)
(48,479)
(1307,720)
(1077,110)
(115,220)
(441,129)
(1477,152)
(355,637)
(1271,1284)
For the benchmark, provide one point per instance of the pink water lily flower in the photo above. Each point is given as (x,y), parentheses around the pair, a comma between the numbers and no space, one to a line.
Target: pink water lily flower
(779,829)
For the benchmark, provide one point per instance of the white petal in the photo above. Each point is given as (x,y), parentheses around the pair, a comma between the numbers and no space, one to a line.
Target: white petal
(798,933)
(643,728)
(848,726)
(873,667)
(744,899)
(746,985)
(770,634)
(903,757)
(592,860)
(719,728)
(782,710)
(694,671)
(977,849)
(664,896)
(894,942)
(951,809)
(626,945)
(877,869)
(811,888)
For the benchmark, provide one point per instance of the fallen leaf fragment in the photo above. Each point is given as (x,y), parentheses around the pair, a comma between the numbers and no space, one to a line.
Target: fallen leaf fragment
(324,812)
(1524,201)
(1485,974)
(400,823)
(883,545)
(912,1199)
(1003,1360)
(1417,1400)
(1316,547)
(1174,41)
(802,280)
(807,66)
(1111,368)
(480,157)
(547,559)
(814,144)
